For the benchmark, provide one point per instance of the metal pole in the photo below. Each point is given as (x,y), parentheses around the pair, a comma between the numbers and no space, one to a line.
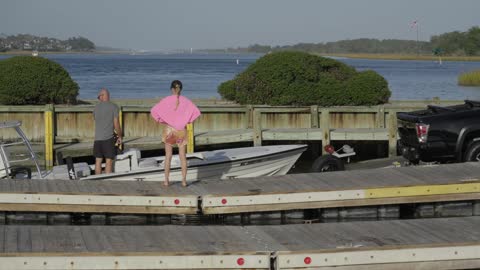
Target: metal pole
(418,47)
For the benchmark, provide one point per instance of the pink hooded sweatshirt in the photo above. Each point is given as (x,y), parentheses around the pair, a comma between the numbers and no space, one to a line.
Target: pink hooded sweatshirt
(164,112)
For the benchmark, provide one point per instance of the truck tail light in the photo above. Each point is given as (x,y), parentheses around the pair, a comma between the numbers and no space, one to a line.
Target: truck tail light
(422,132)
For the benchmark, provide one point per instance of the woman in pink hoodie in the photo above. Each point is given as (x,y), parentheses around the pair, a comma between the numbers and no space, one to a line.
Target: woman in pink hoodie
(175,112)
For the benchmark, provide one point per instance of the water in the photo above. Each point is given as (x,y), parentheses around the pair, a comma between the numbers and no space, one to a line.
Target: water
(149,76)
(419,80)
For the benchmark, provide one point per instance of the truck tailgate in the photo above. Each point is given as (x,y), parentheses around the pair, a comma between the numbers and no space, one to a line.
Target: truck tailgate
(406,128)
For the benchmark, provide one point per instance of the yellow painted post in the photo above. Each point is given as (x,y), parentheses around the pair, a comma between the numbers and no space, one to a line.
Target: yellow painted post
(120,117)
(191,141)
(49,140)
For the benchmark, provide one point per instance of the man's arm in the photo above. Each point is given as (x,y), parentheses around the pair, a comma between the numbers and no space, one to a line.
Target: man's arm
(118,129)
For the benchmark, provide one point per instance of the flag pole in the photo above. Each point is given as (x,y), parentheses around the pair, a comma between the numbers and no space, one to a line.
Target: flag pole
(418,48)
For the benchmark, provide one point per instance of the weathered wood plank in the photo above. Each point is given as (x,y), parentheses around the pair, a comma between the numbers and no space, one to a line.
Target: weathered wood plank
(391,244)
(453,182)
(292,134)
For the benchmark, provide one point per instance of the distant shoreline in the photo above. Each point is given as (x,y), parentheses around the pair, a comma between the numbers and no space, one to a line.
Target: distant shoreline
(69,52)
(345,55)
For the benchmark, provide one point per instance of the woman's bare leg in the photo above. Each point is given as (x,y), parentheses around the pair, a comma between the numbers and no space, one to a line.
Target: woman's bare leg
(167,162)
(183,161)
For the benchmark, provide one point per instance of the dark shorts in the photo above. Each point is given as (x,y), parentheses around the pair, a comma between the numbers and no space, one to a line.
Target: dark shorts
(105,149)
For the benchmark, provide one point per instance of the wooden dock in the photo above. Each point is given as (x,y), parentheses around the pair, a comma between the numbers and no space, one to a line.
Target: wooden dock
(387,186)
(452,243)
(436,183)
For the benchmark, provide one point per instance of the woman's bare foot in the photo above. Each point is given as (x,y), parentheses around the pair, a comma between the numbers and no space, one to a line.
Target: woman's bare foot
(184,183)
(166,183)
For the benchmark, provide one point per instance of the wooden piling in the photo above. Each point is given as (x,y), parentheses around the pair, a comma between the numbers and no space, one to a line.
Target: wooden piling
(190,138)
(49,135)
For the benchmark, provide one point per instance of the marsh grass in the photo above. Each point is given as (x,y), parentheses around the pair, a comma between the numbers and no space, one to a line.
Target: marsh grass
(471,78)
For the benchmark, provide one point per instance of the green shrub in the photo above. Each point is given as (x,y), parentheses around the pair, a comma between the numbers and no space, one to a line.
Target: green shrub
(297,78)
(367,88)
(35,80)
(469,78)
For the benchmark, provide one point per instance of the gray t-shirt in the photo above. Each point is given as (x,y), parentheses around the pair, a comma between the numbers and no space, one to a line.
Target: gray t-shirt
(104,113)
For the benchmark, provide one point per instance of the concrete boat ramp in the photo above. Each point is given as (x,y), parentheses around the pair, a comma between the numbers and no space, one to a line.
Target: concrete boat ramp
(403,244)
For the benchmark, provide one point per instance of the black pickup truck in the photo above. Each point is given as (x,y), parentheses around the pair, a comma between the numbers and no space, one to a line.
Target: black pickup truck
(441,134)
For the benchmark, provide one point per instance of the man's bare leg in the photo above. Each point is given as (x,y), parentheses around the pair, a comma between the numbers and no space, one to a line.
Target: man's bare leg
(98,165)
(108,165)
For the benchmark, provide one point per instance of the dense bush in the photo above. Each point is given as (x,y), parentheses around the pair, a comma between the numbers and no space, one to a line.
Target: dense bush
(35,80)
(297,78)
(367,88)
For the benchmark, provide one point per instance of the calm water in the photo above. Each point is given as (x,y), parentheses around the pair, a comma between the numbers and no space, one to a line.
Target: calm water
(149,76)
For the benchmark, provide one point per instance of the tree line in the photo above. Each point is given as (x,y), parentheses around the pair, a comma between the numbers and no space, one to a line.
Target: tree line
(452,44)
(23,42)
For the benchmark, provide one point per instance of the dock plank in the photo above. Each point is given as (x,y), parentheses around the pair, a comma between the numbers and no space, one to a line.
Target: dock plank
(452,182)
(11,239)
(399,243)
(24,240)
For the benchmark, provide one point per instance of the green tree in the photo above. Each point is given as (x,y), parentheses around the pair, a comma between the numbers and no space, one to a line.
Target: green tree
(35,80)
(451,43)
(298,78)
(472,42)
(81,44)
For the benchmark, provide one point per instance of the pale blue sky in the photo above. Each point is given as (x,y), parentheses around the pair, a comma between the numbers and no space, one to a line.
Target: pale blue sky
(199,24)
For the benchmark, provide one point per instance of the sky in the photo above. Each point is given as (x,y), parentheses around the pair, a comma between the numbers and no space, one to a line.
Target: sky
(218,24)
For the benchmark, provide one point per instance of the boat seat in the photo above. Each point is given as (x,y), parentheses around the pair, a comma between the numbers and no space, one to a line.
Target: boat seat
(148,162)
(128,160)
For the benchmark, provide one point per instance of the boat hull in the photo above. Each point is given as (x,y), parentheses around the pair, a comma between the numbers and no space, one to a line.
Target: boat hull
(246,163)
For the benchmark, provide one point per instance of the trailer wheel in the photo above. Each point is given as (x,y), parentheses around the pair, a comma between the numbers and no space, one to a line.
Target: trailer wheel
(327,163)
(473,151)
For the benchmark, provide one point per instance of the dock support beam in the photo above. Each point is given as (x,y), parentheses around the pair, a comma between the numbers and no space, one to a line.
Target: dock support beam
(257,128)
(190,138)
(49,138)
(325,126)
(392,133)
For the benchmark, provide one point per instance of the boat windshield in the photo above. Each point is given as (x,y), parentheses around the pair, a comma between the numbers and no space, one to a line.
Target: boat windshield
(17,159)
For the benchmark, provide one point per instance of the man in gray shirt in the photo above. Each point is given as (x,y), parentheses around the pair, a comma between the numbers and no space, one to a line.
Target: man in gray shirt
(106,122)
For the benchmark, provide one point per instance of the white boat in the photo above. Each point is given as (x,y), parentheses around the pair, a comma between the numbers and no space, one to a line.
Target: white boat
(217,164)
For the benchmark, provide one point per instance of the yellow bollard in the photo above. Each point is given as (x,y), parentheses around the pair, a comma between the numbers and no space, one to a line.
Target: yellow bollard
(120,117)
(48,115)
(191,141)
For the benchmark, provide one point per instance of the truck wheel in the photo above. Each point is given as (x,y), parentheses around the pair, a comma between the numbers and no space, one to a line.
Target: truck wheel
(473,152)
(327,163)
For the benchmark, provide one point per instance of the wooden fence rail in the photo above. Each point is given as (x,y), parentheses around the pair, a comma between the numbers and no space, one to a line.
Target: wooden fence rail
(220,123)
